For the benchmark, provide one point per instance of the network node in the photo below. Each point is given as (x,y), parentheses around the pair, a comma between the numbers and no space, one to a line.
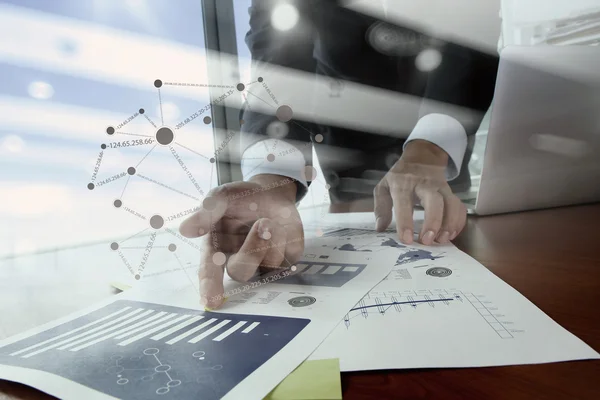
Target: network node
(102,146)
(241,87)
(137,277)
(207,120)
(266,235)
(271,157)
(117,203)
(284,113)
(131,171)
(277,129)
(157,222)
(294,268)
(110,130)
(165,136)
(310,173)
(172,247)
(284,16)
(318,138)
(253,206)
(91,186)
(260,79)
(328,186)
(142,111)
(285,213)
(428,60)
(114,246)
(391,159)
(219,258)
(209,203)
(212,160)
(333,179)
(158,83)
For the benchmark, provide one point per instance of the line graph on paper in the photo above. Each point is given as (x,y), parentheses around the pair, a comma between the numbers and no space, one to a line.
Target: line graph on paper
(393,303)
(138,350)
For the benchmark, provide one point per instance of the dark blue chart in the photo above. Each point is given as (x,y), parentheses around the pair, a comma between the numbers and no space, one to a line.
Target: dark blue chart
(323,274)
(135,350)
(415,255)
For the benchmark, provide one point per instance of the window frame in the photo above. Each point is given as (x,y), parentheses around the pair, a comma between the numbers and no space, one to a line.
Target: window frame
(220,39)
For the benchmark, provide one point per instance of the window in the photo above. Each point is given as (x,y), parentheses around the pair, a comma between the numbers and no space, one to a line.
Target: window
(317,194)
(100,121)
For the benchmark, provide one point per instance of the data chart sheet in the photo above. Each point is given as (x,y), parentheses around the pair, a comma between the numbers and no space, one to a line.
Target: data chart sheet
(147,343)
(441,308)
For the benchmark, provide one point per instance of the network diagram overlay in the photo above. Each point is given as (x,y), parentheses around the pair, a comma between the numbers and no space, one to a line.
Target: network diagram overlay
(162,136)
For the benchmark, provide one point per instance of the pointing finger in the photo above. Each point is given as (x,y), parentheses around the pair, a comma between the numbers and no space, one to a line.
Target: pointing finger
(243,265)
(210,276)
(383,206)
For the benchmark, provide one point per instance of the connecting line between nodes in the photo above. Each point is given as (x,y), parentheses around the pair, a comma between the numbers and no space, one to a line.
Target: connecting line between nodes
(185,240)
(131,237)
(186,170)
(125,187)
(197,85)
(162,120)
(193,151)
(252,94)
(153,147)
(258,166)
(165,137)
(146,255)
(151,122)
(168,187)
(186,274)
(133,134)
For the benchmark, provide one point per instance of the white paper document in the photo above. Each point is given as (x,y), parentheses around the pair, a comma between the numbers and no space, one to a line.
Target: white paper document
(148,343)
(441,308)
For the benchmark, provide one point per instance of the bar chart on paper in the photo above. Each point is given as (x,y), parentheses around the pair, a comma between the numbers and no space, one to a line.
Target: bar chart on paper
(139,350)
(320,273)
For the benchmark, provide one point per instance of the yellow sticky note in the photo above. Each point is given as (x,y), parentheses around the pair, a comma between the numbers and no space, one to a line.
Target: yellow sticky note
(312,380)
(120,286)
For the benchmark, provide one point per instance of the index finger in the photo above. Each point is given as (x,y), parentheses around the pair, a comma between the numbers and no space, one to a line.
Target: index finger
(403,212)
(210,277)
(433,203)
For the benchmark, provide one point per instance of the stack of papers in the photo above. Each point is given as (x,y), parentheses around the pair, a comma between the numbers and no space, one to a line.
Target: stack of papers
(358,300)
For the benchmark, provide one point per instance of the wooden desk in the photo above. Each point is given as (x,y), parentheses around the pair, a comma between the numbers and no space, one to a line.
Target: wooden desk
(553,258)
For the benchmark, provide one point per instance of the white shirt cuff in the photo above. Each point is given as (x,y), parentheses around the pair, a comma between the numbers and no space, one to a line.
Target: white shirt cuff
(448,134)
(274,156)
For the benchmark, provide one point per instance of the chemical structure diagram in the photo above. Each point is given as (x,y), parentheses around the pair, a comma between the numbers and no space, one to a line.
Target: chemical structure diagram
(164,137)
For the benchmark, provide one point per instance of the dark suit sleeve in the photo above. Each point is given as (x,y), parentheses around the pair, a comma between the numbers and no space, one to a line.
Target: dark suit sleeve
(289,49)
(462,86)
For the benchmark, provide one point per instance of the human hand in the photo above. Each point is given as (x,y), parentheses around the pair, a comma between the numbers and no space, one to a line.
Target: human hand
(247,225)
(420,175)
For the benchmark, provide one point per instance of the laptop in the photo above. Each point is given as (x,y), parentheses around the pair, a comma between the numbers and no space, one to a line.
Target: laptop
(543,144)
